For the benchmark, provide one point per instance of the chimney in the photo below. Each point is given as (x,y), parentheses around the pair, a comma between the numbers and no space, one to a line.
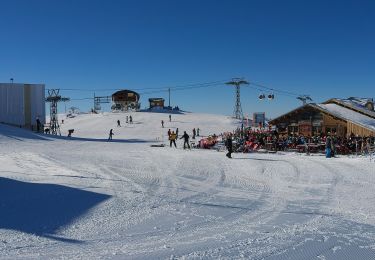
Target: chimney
(370,104)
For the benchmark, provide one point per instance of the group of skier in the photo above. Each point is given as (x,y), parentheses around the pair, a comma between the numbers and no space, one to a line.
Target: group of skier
(162,121)
(129,120)
(172,137)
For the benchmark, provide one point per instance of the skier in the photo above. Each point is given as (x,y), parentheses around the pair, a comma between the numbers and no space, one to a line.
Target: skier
(110,134)
(185,136)
(169,133)
(328,146)
(118,123)
(177,133)
(170,118)
(162,123)
(70,132)
(172,139)
(197,131)
(229,146)
(194,133)
(130,119)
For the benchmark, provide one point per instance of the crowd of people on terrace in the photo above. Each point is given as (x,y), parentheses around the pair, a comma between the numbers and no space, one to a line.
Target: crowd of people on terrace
(247,140)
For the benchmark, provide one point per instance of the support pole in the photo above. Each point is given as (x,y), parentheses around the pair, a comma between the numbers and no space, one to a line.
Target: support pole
(237,82)
(169,97)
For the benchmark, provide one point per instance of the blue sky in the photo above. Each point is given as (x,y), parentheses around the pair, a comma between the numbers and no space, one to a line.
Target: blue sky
(322,48)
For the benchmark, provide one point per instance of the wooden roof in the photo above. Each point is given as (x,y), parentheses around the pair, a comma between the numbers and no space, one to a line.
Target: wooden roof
(351,105)
(156,99)
(331,112)
(125,95)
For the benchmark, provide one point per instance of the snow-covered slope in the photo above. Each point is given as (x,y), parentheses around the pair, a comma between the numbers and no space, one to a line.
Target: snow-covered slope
(86,198)
(145,125)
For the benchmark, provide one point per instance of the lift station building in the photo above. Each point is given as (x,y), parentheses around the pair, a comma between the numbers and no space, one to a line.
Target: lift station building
(21,104)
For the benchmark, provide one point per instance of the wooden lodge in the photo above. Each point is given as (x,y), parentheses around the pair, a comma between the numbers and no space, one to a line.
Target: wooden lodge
(125,100)
(156,103)
(342,117)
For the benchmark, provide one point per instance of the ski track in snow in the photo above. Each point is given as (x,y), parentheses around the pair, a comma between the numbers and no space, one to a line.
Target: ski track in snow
(170,203)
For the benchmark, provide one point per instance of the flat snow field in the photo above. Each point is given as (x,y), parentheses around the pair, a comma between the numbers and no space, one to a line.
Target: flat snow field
(87,198)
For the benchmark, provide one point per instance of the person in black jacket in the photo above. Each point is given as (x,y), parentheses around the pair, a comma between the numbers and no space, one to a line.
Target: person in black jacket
(110,134)
(38,124)
(185,136)
(229,145)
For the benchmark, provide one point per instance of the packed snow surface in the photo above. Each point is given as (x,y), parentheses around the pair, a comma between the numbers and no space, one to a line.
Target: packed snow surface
(87,198)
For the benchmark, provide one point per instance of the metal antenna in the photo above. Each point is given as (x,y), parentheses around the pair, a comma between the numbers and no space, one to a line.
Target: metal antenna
(54,98)
(237,82)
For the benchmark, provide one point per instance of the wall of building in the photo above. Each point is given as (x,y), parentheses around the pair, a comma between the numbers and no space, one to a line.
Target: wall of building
(337,126)
(38,107)
(20,104)
(157,104)
(358,130)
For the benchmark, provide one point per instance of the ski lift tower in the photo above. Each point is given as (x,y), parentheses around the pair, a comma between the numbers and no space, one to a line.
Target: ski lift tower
(237,82)
(54,98)
(101,100)
(304,99)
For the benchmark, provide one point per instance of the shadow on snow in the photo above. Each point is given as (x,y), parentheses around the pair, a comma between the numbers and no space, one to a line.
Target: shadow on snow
(105,140)
(20,134)
(256,159)
(42,209)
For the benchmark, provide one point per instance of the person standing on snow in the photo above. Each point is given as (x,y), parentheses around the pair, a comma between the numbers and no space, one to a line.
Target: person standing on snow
(110,134)
(118,123)
(194,133)
(169,133)
(170,118)
(197,131)
(130,119)
(38,124)
(172,139)
(162,123)
(177,133)
(229,145)
(185,136)
(328,146)
(127,119)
